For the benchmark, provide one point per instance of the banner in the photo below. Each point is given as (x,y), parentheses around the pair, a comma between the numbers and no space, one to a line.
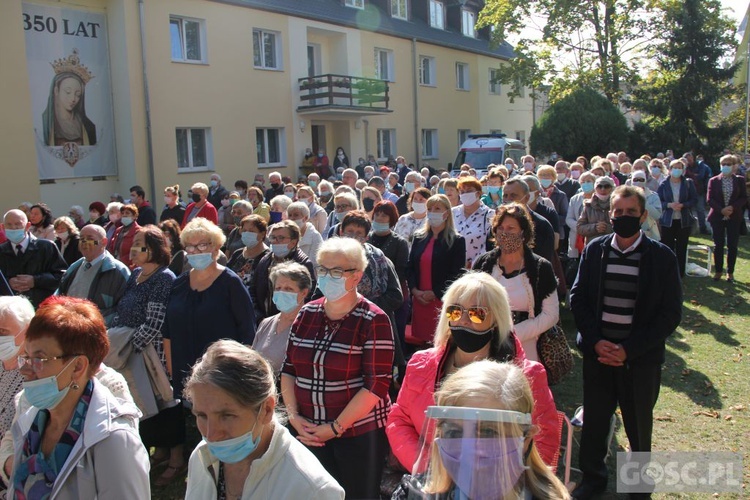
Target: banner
(67,57)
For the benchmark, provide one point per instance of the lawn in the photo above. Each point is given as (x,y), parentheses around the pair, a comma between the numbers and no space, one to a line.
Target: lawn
(704,402)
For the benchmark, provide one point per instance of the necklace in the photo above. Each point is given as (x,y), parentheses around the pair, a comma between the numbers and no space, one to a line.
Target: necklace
(144,276)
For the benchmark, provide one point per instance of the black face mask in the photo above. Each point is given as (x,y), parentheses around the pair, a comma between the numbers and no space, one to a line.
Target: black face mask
(275,185)
(196,197)
(469,340)
(626,226)
(368,204)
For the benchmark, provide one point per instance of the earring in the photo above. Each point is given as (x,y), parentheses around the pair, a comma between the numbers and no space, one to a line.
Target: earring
(75,386)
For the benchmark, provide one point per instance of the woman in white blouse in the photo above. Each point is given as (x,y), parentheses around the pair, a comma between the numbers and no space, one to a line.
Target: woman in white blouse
(528,278)
(408,223)
(309,238)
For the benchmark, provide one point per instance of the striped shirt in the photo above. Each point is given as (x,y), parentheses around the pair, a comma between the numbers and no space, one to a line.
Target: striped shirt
(620,292)
(332,360)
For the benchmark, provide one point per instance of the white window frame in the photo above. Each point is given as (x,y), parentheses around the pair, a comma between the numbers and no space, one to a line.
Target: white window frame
(181,22)
(437,14)
(208,145)
(357,4)
(427,77)
(463,135)
(402,9)
(468,23)
(388,75)
(462,72)
(276,49)
(495,88)
(266,163)
(430,147)
(391,149)
(521,88)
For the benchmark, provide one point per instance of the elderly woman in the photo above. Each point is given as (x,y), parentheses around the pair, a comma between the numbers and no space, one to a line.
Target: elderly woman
(141,309)
(40,217)
(337,373)
(658,173)
(575,209)
(318,215)
(279,204)
(653,205)
(122,240)
(519,270)
(491,453)
(66,239)
(78,441)
(368,198)
(678,197)
(240,210)
(173,209)
(472,219)
(243,261)
(114,216)
(344,201)
(436,259)
(594,220)
(96,213)
(309,238)
(250,454)
(76,213)
(475,324)
(200,206)
(224,212)
(449,187)
(493,191)
(415,218)
(260,207)
(291,284)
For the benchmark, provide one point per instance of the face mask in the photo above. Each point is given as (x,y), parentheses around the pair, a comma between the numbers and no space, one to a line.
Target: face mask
(93,215)
(237,220)
(126,221)
(325,195)
(532,197)
(280,250)
(380,227)
(249,239)
(655,171)
(368,204)
(114,217)
(320,155)
(546,182)
(419,208)
(43,393)
(441,190)
(332,288)
(196,197)
(409,187)
(485,189)
(575,174)
(8,347)
(275,185)
(289,194)
(587,187)
(340,177)
(167,200)
(200,261)
(603,197)
(640,184)
(468,198)
(528,166)
(368,175)
(626,226)
(726,169)
(63,236)
(224,203)
(561,177)
(483,467)
(469,340)
(285,301)
(341,156)
(509,242)
(15,235)
(233,450)
(275,217)
(676,173)
(312,184)
(300,223)
(214,183)
(435,219)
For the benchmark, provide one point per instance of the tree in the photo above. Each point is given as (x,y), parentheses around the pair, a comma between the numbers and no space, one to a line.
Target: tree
(680,99)
(594,43)
(582,123)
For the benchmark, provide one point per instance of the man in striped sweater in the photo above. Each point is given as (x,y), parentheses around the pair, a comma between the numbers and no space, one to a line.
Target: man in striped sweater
(627,299)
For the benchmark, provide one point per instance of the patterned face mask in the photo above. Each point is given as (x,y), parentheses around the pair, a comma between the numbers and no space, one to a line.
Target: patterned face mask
(509,242)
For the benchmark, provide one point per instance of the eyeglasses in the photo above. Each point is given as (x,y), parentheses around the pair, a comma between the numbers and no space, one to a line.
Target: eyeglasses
(340,208)
(604,186)
(336,272)
(37,364)
(279,239)
(477,314)
(201,247)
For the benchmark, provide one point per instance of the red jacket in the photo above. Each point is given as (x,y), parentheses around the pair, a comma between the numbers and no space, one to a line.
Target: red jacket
(127,242)
(207,211)
(417,393)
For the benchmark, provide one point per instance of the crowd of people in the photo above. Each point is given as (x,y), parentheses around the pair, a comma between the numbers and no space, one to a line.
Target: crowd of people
(313,329)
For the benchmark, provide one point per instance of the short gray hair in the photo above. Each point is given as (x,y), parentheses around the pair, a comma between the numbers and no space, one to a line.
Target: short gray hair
(17,308)
(529,180)
(281,200)
(115,205)
(77,209)
(298,205)
(293,271)
(348,247)
(244,205)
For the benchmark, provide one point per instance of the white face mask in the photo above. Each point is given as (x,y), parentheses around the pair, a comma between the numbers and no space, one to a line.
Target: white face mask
(575,174)
(419,208)
(532,197)
(63,236)
(468,198)
(8,347)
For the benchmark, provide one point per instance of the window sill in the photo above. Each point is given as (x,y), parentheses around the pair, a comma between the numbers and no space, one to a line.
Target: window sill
(263,68)
(193,170)
(188,61)
(271,165)
(462,90)
(430,158)
(430,85)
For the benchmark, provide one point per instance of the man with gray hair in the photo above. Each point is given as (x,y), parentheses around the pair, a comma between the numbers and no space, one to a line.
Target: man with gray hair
(379,184)
(515,190)
(240,210)
(412,181)
(277,187)
(216,192)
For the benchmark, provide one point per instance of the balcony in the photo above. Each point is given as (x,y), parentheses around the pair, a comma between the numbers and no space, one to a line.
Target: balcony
(343,95)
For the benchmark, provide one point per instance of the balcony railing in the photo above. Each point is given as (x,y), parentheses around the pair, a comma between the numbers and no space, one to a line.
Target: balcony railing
(345,92)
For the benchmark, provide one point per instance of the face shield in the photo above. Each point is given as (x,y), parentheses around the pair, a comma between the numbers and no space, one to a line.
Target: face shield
(471,453)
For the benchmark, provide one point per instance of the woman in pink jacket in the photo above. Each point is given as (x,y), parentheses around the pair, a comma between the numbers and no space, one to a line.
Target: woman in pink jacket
(475,323)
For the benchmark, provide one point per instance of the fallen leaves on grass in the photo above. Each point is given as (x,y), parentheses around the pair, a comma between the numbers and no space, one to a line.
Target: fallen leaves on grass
(664,418)
(706,413)
(737,408)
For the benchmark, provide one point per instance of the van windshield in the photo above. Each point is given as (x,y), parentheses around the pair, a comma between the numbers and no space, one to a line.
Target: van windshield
(479,159)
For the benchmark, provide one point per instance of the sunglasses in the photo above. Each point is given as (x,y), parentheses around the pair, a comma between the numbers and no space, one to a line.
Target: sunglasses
(477,314)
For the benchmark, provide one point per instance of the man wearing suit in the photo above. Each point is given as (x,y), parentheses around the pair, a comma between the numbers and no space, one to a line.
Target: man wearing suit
(32,266)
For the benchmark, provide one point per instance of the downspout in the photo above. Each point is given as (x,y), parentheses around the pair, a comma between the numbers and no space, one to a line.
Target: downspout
(367,135)
(417,138)
(147,103)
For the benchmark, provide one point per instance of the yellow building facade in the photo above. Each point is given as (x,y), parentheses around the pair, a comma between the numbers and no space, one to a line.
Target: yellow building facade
(243,87)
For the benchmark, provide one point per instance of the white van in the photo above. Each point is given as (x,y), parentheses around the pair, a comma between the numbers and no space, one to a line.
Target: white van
(481,150)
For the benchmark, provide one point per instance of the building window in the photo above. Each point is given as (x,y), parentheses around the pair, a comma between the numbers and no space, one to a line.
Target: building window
(462,76)
(437,14)
(521,136)
(427,71)
(429,143)
(384,64)
(386,143)
(400,9)
(193,148)
(270,145)
(521,88)
(359,4)
(495,87)
(266,49)
(187,36)
(468,20)
(463,135)
(496,131)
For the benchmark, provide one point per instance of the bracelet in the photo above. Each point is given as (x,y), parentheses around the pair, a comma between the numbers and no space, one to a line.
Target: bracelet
(339,426)
(335,432)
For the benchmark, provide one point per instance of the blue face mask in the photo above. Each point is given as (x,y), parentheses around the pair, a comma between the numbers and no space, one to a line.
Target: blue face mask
(545,183)
(200,261)
(587,187)
(285,301)
(485,189)
(15,235)
(380,227)
(496,190)
(280,250)
(441,190)
(231,451)
(676,172)
(435,218)
(126,221)
(312,184)
(409,187)
(726,169)
(214,183)
(249,239)
(43,393)
(656,171)
(275,217)
(332,288)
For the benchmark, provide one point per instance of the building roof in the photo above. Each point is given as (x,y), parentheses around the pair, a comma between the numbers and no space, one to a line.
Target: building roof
(373,19)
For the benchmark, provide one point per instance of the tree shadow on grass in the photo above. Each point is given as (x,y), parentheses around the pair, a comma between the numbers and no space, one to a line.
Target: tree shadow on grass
(676,375)
(696,322)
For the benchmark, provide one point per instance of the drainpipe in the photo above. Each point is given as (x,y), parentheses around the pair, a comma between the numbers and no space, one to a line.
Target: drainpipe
(147,103)
(367,135)
(417,137)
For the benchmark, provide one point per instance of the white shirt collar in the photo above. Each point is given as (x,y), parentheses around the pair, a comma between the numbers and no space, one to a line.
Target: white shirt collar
(631,247)
(98,259)
(24,242)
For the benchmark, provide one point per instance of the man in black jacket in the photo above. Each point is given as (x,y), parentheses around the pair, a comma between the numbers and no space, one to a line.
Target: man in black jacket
(515,190)
(626,300)
(216,192)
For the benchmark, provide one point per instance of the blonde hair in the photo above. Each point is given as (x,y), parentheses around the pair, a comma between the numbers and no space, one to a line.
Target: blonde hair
(203,227)
(372,191)
(68,223)
(449,233)
(546,170)
(348,247)
(200,188)
(175,190)
(307,190)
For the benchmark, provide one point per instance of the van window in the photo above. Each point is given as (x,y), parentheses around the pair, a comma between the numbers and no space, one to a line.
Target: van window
(479,158)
